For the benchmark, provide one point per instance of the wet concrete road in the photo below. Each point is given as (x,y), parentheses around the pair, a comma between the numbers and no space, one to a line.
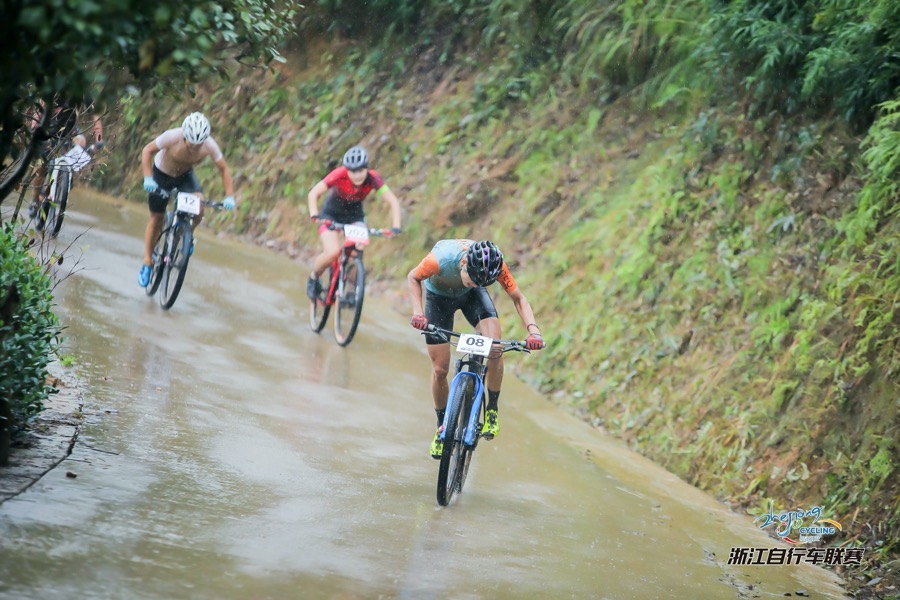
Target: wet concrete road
(231,453)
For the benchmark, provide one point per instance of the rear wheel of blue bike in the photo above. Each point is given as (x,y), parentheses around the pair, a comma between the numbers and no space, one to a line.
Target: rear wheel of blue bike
(318,309)
(158,256)
(453,455)
(350,301)
(176,263)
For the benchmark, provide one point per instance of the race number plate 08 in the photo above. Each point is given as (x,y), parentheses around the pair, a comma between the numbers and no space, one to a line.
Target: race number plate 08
(356,233)
(188,203)
(474,344)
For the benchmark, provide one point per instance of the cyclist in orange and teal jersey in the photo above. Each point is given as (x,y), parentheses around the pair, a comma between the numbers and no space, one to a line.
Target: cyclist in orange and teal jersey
(347,186)
(456,274)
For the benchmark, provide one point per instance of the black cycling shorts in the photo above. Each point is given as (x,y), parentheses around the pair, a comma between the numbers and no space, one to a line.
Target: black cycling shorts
(342,211)
(187,182)
(476,305)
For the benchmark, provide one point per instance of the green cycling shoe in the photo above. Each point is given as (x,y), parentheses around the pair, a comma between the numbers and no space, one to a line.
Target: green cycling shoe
(437,444)
(491,425)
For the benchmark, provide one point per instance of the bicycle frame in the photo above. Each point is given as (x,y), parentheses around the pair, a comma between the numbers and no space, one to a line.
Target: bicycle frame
(471,434)
(348,251)
(461,427)
(171,252)
(476,369)
(344,287)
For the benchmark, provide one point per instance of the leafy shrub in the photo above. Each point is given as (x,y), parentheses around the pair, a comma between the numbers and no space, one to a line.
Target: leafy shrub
(793,56)
(28,327)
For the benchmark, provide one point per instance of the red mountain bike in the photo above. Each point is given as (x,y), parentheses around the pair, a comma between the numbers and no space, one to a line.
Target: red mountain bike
(344,283)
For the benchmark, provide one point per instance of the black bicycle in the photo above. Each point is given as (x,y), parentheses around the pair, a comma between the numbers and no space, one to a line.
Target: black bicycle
(173,247)
(344,283)
(464,416)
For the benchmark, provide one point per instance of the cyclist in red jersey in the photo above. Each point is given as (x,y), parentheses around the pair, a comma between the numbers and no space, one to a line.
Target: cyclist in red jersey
(347,187)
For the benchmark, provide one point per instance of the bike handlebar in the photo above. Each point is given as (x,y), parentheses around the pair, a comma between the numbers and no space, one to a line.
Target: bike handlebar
(373,231)
(505,345)
(204,201)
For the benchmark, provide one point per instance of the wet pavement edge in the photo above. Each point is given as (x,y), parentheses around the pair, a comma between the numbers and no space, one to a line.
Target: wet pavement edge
(49,438)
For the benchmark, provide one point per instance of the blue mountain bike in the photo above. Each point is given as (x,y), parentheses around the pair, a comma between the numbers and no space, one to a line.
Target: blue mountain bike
(464,415)
(172,250)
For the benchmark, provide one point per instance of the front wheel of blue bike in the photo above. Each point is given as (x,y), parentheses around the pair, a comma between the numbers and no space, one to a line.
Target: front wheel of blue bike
(176,263)
(349,301)
(468,450)
(453,456)
(158,257)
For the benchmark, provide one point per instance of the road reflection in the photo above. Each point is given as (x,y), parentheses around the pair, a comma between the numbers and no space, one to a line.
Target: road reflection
(231,453)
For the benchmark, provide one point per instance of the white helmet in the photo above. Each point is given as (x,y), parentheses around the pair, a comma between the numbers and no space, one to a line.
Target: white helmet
(195,128)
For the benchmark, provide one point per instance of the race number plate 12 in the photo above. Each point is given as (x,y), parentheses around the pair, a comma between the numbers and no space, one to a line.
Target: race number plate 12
(475,344)
(357,233)
(189,203)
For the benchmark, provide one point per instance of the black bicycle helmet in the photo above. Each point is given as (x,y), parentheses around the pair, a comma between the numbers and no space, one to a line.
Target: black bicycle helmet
(483,263)
(356,158)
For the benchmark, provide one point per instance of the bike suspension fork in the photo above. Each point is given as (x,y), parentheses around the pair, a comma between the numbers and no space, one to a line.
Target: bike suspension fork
(472,426)
(456,382)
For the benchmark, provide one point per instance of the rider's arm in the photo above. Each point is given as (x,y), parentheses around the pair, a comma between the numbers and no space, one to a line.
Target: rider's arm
(312,199)
(147,158)
(394,203)
(524,310)
(425,269)
(226,177)
(98,128)
(33,117)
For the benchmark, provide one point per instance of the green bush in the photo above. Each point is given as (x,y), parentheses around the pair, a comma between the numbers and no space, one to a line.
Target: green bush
(29,329)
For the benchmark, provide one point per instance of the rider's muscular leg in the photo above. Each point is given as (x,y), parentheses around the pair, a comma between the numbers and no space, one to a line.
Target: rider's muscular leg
(440,367)
(151,234)
(331,248)
(37,181)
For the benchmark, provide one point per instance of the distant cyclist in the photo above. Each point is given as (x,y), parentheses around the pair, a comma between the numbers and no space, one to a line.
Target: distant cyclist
(347,187)
(177,151)
(456,273)
(61,127)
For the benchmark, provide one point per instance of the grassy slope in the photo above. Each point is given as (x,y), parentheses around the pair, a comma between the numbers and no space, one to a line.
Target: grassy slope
(677,259)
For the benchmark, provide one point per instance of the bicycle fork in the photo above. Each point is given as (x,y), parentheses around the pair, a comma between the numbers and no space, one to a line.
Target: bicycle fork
(350,252)
(339,284)
(471,432)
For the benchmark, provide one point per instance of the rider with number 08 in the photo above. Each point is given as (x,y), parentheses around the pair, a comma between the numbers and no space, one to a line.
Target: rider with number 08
(348,185)
(177,151)
(456,273)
